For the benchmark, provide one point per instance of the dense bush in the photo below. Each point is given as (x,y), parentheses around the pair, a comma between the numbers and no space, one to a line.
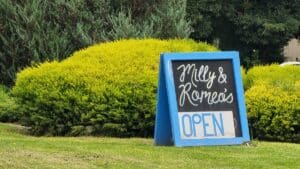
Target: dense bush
(8,107)
(106,89)
(38,30)
(273,102)
(285,77)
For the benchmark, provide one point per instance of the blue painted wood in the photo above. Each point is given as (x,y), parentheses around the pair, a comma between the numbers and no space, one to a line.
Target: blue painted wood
(162,131)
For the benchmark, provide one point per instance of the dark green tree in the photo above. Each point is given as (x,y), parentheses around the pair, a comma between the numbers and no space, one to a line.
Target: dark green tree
(37,30)
(159,19)
(258,29)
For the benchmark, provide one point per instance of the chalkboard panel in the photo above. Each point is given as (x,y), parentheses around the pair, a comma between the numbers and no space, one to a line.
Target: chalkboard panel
(206,86)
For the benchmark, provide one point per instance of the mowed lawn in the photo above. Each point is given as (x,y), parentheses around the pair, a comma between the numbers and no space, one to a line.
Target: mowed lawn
(18,150)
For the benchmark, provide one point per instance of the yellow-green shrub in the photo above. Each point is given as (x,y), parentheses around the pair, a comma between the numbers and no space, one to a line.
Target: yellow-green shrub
(106,89)
(243,73)
(8,107)
(273,102)
(283,77)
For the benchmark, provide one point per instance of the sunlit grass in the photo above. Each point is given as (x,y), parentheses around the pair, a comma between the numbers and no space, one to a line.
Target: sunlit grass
(18,150)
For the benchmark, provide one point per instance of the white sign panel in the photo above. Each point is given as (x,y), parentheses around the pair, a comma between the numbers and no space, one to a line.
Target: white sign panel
(213,124)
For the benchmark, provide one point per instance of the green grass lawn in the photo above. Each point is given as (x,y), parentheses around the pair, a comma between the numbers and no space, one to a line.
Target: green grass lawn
(18,150)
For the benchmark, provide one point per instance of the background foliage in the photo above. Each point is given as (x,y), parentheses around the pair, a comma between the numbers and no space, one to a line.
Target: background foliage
(36,31)
(257,29)
(106,89)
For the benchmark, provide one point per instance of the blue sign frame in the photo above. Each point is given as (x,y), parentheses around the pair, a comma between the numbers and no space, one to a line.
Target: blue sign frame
(167,123)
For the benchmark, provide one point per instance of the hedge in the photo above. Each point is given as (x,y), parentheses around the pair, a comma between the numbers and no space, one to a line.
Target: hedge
(8,107)
(273,102)
(106,89)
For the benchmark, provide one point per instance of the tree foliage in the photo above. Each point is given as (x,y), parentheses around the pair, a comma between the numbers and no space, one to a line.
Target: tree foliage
(258,29)
(37,30)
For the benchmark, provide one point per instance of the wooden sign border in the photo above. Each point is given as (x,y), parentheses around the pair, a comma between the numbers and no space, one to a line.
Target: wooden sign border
(167,124)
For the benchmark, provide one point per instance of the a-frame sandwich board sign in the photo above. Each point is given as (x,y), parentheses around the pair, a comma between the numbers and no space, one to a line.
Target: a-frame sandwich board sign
(200,100)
